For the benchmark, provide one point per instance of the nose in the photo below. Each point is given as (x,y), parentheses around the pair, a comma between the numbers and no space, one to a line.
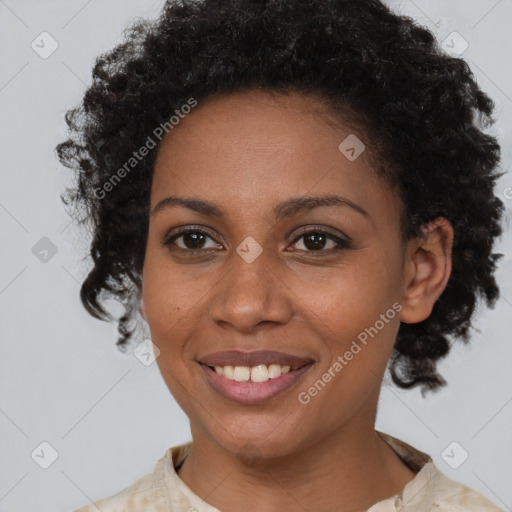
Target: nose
(251,295)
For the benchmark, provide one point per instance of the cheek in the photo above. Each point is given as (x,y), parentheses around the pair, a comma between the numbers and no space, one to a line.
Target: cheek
(169,300)
(348,299)
(169,311)
(357,325)
(357,322)
(168,292)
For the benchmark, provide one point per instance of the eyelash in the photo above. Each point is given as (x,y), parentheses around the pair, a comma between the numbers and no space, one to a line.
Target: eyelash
(341,243)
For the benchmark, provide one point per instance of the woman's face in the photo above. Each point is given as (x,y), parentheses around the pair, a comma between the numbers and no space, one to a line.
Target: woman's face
(257,282)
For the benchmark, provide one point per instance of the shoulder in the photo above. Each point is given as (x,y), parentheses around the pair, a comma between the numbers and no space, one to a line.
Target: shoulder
(134,497)
(446,494)
(432,491)
(149,493)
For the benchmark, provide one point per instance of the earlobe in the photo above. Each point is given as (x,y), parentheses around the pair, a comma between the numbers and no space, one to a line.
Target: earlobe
(142,309)
(427,270)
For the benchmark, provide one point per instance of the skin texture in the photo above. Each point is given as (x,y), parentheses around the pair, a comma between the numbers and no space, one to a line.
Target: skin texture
(246,152)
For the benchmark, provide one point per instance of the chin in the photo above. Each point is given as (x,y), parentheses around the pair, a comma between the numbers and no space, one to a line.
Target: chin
(250,442)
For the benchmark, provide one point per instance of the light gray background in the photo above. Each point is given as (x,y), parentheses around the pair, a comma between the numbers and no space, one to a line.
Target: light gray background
(108,416)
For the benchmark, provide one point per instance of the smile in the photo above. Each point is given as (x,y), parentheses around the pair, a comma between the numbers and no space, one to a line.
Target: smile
(249,392)
(253,377)
(260,373)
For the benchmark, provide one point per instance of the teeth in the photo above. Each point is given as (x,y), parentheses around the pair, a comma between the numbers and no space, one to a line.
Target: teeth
(228,372)
(242,373)
(274,370)
(260,373)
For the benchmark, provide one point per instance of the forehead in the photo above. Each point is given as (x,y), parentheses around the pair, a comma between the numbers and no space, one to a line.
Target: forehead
(255,147)
(255,123)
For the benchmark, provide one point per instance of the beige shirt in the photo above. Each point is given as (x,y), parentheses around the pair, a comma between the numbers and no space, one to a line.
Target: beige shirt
(429,490)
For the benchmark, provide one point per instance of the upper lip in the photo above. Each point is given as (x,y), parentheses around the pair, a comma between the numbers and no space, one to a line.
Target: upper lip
(254,358)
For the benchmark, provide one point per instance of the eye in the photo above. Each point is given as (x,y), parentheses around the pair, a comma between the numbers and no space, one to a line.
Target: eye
(316,240)
(191,240)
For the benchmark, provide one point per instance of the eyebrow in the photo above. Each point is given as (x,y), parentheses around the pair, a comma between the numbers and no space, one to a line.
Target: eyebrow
(283,210)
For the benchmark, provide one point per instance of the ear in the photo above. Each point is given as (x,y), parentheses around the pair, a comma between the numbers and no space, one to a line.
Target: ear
(140,298)
(427,268)
(141,304)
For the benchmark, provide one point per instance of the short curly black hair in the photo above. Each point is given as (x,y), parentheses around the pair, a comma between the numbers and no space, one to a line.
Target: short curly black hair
(376,69)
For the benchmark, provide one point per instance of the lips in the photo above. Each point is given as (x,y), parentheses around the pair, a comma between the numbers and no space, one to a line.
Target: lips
(250,359)
(249,392)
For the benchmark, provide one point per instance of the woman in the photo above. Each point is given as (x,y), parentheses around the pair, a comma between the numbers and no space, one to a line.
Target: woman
(295,196)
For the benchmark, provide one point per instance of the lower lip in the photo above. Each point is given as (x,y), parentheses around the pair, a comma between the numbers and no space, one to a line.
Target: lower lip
(250,393)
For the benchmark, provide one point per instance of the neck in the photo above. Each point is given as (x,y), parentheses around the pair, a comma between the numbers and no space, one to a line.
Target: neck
(349,471)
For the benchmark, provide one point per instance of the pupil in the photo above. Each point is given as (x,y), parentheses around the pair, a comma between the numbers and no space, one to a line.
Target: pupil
(193,239)
(317,239)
